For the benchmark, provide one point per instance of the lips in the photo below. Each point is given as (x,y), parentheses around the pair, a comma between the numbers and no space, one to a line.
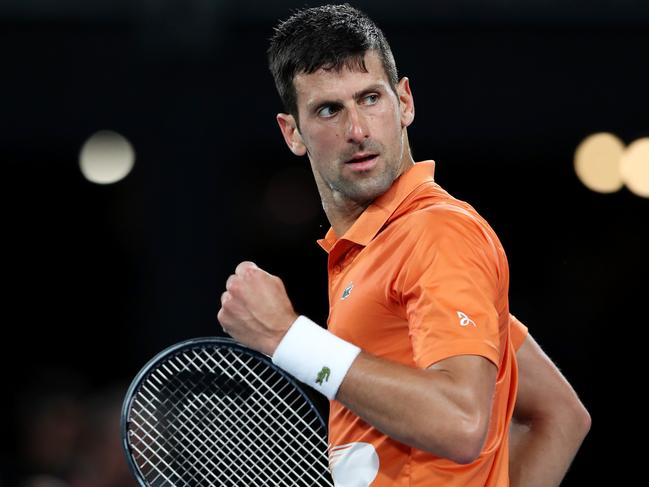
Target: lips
(362,157)
(362,162)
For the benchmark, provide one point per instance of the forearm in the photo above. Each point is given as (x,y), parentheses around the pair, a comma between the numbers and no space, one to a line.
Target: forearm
(421,408)
(541,452)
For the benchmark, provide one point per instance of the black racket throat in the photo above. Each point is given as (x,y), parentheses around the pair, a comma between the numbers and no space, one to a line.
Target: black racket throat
(210,412)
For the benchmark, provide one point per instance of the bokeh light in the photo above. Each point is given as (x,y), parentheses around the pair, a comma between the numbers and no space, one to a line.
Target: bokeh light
(106,157)
(597,162)
(634,167)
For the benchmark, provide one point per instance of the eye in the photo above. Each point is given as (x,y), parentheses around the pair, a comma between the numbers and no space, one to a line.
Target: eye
(371,99)
(327,111)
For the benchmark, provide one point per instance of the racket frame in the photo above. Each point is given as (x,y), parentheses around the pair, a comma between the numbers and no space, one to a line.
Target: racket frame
(177,348)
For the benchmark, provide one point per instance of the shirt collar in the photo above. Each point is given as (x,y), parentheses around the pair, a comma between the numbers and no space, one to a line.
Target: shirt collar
(377,214)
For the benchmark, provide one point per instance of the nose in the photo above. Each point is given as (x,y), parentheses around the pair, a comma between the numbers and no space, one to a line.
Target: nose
(357,128)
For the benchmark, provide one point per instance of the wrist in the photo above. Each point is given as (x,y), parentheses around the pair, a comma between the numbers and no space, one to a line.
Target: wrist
(315,356)
(278,334)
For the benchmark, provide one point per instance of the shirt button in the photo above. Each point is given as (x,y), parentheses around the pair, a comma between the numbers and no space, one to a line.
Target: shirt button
(337,269)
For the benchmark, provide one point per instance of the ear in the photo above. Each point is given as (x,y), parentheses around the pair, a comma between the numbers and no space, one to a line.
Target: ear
(406,102)
(291,134)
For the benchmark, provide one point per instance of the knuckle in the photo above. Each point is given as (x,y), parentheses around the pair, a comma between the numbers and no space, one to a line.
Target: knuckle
(235,288)
(245,267)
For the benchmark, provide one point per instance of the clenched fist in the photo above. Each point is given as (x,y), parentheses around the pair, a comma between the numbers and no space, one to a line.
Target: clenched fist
(255,309)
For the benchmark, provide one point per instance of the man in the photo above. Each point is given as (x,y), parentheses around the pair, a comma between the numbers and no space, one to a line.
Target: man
(419,360)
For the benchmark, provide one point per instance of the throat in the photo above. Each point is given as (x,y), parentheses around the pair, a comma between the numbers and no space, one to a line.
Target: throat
(342,213)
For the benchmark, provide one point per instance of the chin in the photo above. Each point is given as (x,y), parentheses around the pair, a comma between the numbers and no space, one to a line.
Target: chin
(368,193)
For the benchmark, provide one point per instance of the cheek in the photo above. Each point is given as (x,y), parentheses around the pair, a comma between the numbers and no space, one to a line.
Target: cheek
(388,123)
(389,116)
(322,141)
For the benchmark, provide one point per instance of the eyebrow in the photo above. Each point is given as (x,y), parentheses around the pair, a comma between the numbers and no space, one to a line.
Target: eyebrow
(322,102)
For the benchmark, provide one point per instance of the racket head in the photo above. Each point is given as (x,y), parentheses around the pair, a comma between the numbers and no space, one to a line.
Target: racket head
(209,411)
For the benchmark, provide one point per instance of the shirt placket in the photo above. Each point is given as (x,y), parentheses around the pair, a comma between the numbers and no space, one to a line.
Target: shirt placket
(338,270)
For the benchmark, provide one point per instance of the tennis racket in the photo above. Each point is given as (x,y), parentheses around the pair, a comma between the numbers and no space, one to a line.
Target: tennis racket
(211,412)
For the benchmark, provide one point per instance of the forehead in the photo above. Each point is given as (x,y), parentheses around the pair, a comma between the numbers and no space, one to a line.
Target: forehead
(336,84)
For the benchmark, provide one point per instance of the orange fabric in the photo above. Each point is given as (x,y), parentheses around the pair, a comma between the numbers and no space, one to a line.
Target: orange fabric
(421,277)
(518,331)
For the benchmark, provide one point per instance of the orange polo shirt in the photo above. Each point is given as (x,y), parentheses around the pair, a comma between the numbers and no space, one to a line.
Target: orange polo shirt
(418,278)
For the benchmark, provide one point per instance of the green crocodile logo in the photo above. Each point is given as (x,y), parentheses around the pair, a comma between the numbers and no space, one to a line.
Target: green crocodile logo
(323,375)
(347,291)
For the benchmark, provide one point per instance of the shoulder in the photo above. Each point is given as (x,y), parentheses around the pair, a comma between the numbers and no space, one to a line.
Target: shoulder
(448,237)
(442,222)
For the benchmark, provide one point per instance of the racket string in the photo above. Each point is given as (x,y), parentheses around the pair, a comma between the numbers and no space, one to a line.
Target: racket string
(287,426)
(233,424)
(197,439)
(274,436)
(265,382)
(185,469)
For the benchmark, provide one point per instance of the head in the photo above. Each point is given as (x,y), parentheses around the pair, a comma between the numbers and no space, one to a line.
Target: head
(345,106)
(331,37)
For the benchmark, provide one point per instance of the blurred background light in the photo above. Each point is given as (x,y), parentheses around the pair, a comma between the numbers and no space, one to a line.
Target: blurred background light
(597,162)
(106,157)
(634,167)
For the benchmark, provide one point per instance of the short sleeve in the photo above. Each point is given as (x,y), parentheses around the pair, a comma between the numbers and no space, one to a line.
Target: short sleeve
(518,332)
(451,288)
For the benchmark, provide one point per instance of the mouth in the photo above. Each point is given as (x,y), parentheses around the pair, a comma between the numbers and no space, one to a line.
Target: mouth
(362,162)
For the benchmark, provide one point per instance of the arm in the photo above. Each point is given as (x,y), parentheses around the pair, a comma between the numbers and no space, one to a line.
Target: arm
(448,405)
(549,423)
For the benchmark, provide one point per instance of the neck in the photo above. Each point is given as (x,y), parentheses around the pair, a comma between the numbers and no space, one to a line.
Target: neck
(341,212)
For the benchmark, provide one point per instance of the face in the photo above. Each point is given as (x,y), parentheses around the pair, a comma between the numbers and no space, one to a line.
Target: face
(351,125)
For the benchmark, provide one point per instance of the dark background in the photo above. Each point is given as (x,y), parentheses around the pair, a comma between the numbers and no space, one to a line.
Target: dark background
(97,279)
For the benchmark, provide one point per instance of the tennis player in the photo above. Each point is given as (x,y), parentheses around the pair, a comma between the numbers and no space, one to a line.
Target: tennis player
(419,359)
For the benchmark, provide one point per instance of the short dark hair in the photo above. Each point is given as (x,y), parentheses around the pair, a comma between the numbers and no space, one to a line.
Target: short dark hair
(329,37)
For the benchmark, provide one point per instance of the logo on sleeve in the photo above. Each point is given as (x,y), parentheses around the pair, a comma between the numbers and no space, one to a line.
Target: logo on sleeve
(465,320)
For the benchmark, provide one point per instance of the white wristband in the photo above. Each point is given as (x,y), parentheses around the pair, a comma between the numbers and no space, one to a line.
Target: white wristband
(315,356)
